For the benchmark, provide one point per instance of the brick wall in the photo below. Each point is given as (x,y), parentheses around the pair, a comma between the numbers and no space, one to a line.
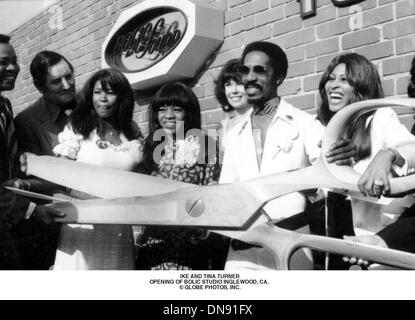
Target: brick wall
(383,31)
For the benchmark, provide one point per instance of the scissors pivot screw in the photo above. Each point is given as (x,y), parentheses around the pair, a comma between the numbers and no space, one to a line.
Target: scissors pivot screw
(195,207)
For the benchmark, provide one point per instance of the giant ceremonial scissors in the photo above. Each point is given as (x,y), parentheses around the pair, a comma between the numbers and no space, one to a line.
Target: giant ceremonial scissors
(234,209)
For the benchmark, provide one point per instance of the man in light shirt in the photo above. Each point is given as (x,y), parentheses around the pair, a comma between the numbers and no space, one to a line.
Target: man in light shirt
(282,140)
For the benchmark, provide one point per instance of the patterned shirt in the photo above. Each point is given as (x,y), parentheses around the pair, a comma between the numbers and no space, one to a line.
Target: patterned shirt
(184,248)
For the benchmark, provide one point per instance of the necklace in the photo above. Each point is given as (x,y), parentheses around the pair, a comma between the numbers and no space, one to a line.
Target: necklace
(110,129)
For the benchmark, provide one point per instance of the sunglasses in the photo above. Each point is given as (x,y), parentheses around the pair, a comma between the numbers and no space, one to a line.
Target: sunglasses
(260,70)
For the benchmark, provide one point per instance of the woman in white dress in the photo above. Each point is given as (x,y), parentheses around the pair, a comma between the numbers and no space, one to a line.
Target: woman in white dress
(399,235)
(101,131)
(378,136)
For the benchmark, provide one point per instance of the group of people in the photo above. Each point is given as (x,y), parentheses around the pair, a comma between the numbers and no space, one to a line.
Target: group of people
(262,134)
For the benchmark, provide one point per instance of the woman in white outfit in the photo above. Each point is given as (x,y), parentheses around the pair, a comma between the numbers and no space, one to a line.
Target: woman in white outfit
(399,235)
(378,135)
(101,131)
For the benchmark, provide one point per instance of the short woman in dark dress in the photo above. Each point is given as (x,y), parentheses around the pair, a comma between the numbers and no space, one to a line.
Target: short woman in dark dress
(177,149)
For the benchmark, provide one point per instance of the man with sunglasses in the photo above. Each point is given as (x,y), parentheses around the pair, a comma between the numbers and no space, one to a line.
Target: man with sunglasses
(281,140)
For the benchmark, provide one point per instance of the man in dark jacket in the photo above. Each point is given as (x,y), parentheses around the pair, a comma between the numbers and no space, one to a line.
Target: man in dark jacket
(14,211)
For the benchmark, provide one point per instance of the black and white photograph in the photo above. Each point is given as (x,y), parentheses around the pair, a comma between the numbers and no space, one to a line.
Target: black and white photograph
(207,150)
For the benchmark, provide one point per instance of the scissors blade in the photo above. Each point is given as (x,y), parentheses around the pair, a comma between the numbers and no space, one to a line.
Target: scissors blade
(99,181)
(34,195)
(209,207)
(226,206)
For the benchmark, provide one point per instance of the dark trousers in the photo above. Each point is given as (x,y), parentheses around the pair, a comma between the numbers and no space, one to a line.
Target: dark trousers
(340,223)
(9,257)
(36,244)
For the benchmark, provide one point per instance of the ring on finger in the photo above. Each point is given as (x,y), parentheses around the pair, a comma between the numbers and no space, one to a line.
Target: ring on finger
(379,182)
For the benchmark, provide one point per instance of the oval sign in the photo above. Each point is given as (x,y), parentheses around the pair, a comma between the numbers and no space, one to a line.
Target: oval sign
(146,39)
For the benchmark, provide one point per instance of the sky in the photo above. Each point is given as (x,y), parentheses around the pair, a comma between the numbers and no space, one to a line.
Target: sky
(13,13)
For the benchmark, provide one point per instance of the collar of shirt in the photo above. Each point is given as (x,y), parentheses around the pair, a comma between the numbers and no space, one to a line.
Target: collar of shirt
(6,102)
(54,111)
(284,111)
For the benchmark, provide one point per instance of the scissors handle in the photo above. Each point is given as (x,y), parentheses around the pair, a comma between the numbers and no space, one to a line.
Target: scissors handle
(283,243)
(338,125)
